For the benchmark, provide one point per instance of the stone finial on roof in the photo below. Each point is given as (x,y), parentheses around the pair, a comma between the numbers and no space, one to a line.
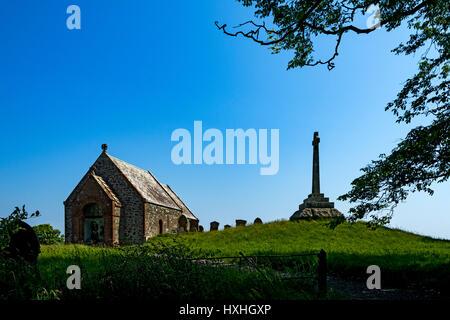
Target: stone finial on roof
(104,147)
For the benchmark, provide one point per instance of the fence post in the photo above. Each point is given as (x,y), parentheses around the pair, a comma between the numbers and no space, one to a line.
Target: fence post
(322,276)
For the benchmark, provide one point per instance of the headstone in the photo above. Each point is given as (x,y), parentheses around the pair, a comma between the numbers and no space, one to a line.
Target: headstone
(193,225)
(24,244)
(200,228)
(214,226)
(316,205)
(227,226)
(241,223)
(257,221)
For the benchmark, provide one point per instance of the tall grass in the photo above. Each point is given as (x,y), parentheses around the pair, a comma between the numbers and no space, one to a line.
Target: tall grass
(405,259)
(160,270)
(155,271)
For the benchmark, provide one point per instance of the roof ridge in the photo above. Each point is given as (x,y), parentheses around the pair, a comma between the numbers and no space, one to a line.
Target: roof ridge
(146,185)
(124,175)
(126,162)
(176,195)
(106,188)
(164,190)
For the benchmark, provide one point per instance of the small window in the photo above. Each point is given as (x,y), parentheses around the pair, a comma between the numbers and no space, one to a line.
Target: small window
(161,227)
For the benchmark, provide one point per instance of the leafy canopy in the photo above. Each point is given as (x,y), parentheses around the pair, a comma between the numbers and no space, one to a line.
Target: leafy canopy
(423,156)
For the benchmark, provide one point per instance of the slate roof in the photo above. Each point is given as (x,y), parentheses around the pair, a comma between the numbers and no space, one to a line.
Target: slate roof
(150,189)
(106,188)
(185,210)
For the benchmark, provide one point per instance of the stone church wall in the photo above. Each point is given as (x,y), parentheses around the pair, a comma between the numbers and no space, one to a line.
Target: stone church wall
(129,218)
(68,210)
(131,228)
(68,223)
(154,213)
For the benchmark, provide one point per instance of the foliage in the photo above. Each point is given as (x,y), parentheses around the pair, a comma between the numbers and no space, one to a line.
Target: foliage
(47,235)
(159,269)
(406,259)
(9,225)
(18,279)
(423,157)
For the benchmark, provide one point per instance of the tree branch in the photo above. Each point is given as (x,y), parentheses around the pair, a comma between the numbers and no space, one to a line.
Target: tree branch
(251,34)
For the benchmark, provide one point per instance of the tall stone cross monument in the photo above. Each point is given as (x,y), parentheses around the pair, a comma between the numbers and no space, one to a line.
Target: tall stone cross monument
(315,177)
(316,205)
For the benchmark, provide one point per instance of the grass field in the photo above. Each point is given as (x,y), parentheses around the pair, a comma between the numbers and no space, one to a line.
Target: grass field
(405,258)
(159,269)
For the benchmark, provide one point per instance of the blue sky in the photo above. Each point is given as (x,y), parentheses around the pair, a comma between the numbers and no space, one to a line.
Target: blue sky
(137,70)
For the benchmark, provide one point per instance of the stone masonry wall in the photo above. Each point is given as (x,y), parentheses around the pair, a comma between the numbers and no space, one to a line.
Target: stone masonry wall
(91,192)
(131,228)
(68,223)
(154,213)
(68,210)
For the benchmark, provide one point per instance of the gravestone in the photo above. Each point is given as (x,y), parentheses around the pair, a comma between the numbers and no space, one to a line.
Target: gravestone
(23,244)
(227,226)
(257,221)
(316,205)
(241,223)
(200,228)
(214,226)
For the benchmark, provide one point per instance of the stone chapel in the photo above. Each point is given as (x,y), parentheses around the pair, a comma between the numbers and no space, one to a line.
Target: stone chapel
(118,203)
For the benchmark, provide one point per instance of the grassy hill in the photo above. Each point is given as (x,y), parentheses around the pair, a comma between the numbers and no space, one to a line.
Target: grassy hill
(405,259)
(159,270)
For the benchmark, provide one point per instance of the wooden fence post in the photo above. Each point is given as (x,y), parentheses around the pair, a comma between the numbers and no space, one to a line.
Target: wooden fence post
(322,275)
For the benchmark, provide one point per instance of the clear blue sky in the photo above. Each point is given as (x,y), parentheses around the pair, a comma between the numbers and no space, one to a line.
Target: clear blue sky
(137,70)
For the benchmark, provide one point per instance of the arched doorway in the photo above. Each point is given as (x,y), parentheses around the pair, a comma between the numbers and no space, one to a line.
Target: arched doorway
(93,224)
(182,224)
(160,227)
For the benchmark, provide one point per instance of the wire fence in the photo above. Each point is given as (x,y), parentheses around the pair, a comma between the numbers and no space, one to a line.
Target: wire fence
(312,266)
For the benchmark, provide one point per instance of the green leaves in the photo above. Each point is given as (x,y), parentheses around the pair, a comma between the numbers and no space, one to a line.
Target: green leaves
(423,155)
(422,158)
(47,235)
(9,225)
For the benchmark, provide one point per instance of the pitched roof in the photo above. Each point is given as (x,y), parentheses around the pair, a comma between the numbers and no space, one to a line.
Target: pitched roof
(185,210)
(145,184)
(106,188)
(91,174)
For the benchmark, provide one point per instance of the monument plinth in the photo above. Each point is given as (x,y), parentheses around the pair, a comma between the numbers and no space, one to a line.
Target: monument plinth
(316,205)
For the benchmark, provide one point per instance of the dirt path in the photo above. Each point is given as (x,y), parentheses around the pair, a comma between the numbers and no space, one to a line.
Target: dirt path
(357,290)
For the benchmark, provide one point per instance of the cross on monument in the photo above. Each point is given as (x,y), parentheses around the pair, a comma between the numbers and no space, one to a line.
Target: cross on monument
(315,176)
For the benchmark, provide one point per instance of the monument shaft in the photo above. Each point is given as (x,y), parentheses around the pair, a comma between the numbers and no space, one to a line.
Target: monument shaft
(315,176)
(316,205)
